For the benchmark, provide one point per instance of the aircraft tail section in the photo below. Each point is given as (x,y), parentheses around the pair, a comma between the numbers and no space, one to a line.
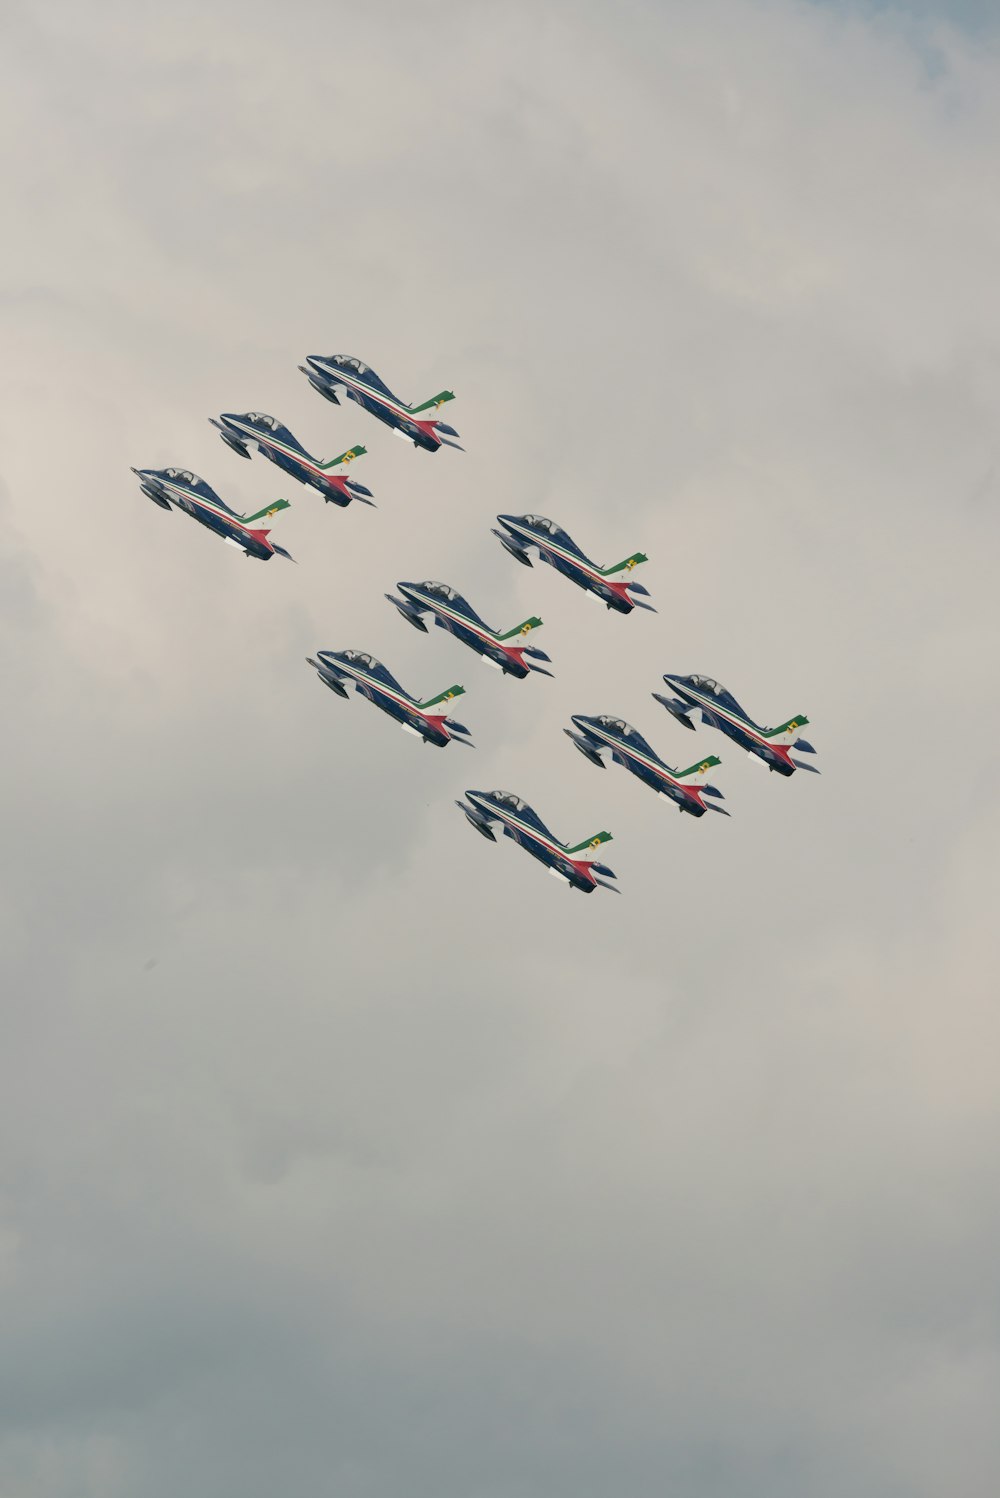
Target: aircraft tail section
(521,629)
(590,843)
(351,453)
(435,400)
(272,509)
(787,733)
(626,566)
(695,775)
(455,691)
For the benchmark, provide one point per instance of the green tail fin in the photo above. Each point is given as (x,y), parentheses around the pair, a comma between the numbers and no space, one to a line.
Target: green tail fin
(790,727)
(279,504)
(521,629)
(699,769)
(626,566)
(435,400)
(442,697)
(352,452)
(591,842)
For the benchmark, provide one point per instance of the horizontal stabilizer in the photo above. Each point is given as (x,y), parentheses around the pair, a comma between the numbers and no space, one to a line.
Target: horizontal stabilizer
(537,655)
(803,747)
(280,551)
(801,764)
(638,588)
(360,491)
(604,885)
(638,603)
(711,806)
(443,430)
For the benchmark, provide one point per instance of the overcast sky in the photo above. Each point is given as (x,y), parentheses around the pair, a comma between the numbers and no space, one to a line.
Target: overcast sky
(341,1152)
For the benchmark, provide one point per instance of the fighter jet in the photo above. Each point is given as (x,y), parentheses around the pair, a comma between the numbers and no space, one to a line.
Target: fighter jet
(518,821)
(277,443)
(342,669)
(628,747)
(720,709)
(610,584)
(357,382)
(507,652)
(184,489)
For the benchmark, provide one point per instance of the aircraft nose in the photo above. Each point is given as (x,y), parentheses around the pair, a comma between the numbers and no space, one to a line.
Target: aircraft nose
(505,519)
(579,721)
(314,361)
(406,588)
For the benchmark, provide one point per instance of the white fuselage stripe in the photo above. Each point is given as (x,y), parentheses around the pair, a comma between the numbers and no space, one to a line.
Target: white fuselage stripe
(437,607)
(708,705)
(588,567)
(301,458)
(355,384)
(635,754)
(206,504)
(532,832)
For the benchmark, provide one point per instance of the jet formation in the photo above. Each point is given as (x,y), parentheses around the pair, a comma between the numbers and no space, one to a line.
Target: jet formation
(595,736)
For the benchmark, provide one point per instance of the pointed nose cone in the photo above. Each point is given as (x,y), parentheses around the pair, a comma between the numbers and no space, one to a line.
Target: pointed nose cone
(407,589)
(315,362)
(475,795)
(672,679)
(579,721)
(505,520)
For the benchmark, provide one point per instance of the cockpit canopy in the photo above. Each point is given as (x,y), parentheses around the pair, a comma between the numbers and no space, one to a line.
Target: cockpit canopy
(439,590)
(618,724)
(508,799)
(258,419)
(184,476)
(706,684)
(361,659)
(347,362)
(539,523)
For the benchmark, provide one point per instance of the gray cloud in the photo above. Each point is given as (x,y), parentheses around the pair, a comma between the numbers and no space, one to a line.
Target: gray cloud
(341,1151)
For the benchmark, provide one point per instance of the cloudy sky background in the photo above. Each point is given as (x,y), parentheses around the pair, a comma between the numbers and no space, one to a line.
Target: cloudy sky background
(340,1151)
